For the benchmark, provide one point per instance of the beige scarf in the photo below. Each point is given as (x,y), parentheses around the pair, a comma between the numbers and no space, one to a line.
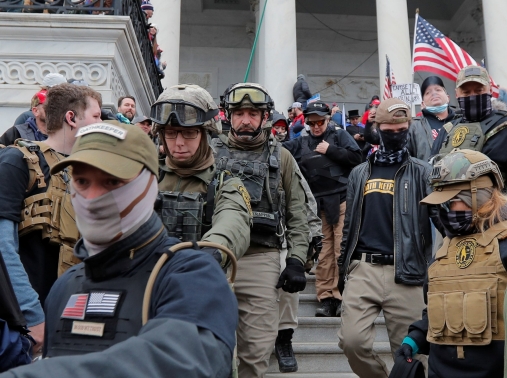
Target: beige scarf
(252,144)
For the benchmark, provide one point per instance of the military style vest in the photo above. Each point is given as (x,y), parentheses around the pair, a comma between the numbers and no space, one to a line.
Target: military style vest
(260,173)
(323,175)
(93,319)
(466,290)
(52,211)
(472,135)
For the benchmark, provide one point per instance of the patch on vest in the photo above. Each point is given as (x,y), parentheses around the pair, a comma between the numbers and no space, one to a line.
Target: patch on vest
(88,328)
(246,197)
(465,253)
(102,303)
(459,136)
(75,307)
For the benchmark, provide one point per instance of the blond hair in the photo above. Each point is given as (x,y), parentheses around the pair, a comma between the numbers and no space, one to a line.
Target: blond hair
(493,211)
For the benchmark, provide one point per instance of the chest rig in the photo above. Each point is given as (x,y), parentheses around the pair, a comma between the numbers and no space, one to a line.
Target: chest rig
(323,175)
(472,135)
(466,290)
(260,173)
(51,211)
(107,317)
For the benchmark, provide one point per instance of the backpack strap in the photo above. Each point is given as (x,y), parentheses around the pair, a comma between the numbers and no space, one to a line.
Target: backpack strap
(28,149)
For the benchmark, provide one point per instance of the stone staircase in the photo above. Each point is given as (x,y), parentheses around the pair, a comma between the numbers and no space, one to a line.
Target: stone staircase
(315,343)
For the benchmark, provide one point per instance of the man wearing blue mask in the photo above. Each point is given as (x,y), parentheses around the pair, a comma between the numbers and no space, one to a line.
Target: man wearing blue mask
(480,128)
(435,113)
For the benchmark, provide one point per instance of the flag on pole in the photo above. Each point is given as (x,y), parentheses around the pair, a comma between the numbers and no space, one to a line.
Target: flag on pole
(434,52)
(389,81)
(344,118)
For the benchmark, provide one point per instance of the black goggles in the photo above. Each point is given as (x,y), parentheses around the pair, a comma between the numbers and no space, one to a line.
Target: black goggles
(185,113)
(255,95)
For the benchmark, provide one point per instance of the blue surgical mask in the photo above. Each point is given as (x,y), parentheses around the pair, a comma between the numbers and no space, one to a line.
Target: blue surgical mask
(436,109)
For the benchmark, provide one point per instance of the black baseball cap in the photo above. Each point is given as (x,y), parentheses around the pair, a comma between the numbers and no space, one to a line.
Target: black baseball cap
(317,107)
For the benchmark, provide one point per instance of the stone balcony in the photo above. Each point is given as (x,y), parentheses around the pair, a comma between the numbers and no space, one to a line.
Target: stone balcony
(100,49)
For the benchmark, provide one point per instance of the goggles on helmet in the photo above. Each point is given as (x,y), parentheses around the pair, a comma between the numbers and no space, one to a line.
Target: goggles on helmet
(185,113)
(255,95)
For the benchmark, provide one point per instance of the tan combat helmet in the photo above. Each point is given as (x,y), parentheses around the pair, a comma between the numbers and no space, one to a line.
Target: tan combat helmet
(248,95)
(462,170)
(186,105)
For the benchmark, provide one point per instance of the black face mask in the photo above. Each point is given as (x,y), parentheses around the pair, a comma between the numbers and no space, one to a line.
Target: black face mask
(456,222)
(476,107)
(392,142)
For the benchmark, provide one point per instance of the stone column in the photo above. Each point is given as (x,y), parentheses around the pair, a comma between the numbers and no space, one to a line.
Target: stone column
(167,16)
(394,40)
(276,53)
(495,19)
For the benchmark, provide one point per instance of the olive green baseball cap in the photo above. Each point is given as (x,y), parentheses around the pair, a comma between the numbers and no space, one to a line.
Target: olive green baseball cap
(119,149)
(472,73)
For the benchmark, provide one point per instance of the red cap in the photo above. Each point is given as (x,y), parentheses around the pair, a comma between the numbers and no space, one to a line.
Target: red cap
(39,98)
(375,102)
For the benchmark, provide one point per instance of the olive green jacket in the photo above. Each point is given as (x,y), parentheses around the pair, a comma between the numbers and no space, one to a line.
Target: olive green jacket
(232,217)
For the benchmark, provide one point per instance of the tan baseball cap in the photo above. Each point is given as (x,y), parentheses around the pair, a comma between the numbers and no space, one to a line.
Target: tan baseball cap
(472,73)
(119,149)
(387,109)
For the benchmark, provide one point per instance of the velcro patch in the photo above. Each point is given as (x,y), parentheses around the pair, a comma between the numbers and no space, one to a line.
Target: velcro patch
(103,128)
(397,106)
(102,303)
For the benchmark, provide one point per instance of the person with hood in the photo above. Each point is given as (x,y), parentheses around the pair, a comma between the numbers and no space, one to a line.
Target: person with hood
(462,326)
(301,91)
(280,127)
(94,315)
(326,156)
(298,121)
(436,113)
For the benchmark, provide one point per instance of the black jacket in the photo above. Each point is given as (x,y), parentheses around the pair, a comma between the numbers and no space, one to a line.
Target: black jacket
(301,91)
(412,229)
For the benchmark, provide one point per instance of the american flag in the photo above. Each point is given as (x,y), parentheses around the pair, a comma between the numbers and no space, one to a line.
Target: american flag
(390,80)
(75,307)
(103,303)
(434,52)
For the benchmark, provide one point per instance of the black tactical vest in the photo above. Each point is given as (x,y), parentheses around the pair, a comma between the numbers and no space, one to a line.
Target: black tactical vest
(116,310)
(323,175)
(256,169)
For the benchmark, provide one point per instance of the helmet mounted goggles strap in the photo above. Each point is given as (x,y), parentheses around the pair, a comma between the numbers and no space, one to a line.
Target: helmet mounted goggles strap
(473,190)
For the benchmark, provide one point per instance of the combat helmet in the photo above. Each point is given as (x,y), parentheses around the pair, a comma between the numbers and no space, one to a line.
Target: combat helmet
(462,170)
(247,95)
(186,105)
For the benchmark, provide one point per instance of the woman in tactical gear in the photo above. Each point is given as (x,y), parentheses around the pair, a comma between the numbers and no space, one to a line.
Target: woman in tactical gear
(462,328)
(194,202)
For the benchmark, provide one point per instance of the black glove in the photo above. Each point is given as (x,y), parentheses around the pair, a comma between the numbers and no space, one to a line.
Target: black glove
(315,245)
(341,273)
(217,255)
(293,277)
(405,350)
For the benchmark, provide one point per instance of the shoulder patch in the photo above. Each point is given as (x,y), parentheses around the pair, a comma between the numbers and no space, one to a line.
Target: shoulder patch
(246,197)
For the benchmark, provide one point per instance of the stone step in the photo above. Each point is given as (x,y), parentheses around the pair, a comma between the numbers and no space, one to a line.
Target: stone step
(323,330)
(328,358)
(308,303)
(310,285)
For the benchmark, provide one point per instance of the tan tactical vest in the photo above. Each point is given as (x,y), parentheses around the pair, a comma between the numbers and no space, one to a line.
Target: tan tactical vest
(466,290)
(52,211)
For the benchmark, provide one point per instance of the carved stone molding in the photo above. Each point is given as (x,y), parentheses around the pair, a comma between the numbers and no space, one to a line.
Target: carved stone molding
(116,85)
(33,72)
(351,88)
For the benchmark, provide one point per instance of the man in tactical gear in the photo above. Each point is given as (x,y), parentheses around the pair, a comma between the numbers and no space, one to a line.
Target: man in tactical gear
(462,327)
(268,172)
(480,128)
(195,203)
(36,204)
(386,243)
(95,317)
(326,157)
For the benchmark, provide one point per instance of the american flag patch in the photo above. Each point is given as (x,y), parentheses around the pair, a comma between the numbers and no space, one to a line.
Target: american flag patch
(102,303)
(75,307)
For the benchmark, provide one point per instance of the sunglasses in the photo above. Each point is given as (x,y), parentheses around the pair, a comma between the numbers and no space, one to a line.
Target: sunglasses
(316,123)
(186,114)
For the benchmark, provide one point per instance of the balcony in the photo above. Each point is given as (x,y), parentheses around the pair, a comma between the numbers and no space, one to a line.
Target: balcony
(103,42)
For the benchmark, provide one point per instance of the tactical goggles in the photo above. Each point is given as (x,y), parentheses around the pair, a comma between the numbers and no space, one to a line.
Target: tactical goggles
(255,95)
(185,113)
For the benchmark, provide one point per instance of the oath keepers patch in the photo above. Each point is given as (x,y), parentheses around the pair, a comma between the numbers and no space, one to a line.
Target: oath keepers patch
(103,303)
(465,252)
(459,136)
(246,197)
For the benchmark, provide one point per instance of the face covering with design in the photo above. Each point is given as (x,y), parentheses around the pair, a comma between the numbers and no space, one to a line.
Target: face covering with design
(437,109)
(476,107)
(456,222)
(280,136)
(116,214)
(392,142)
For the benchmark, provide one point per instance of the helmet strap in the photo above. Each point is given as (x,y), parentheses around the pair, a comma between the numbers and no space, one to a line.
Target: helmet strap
(473,189)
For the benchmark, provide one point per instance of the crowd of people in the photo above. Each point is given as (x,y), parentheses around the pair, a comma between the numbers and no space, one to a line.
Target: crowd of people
(401,215)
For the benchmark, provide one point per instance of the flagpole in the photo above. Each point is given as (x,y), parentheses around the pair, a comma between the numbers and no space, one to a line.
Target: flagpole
(413,55)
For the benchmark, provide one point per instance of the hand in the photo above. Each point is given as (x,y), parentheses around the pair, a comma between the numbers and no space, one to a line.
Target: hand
(357,136)
(37,333)
(293,277)
(405,350)
(371,116)
(322,147)
(341,281)
(316,245)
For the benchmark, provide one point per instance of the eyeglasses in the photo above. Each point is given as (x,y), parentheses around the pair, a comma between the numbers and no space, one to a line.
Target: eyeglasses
(256,96)
(186,114)
(316,123)
(186,134)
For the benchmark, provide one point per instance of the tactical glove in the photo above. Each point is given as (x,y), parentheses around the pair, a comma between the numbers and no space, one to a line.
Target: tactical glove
(293,277)
(405,350)
(315,247)
(341,273)
(216,254)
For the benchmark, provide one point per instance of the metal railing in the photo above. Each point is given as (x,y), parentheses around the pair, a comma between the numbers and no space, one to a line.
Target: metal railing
(131,8)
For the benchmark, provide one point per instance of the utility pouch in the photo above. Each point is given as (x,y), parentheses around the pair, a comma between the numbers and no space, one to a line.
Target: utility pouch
(66,259)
